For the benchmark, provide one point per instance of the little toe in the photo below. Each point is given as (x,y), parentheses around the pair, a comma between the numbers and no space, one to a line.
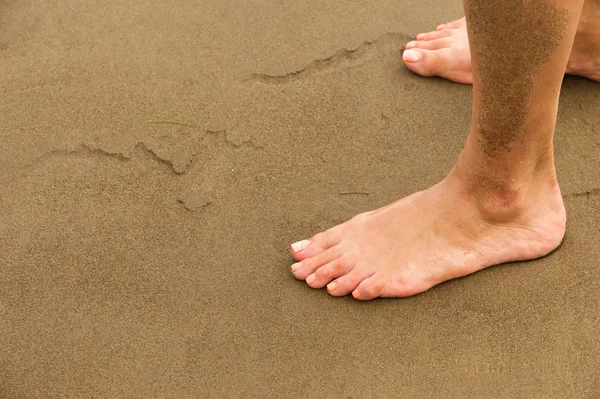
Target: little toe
(370,288)
(308,266)
(334,269)
(316,244)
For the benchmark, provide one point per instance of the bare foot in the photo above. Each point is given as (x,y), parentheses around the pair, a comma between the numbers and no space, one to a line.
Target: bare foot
(445,52)
(429,237)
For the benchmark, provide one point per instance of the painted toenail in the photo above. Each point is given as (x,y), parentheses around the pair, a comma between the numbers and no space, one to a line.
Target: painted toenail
(300,245)
(356,294)
(311,279)
(296,267)
(411,55)
(331,286)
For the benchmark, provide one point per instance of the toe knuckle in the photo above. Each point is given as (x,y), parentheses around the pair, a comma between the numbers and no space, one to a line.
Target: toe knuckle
(308,264)
(375,289)
(323,272)
(319,237)
(338,266)
(401,284)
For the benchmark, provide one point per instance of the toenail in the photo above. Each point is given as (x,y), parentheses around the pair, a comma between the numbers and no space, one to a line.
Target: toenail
(356,294)
(300,245)
(296,267)
(311,279)
(411,55)
(331,286)
(411,44)
(420,36)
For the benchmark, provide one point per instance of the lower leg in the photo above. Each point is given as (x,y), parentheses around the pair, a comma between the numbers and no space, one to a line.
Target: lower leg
(500,203)
(508,158)
(585,56)
(446,51)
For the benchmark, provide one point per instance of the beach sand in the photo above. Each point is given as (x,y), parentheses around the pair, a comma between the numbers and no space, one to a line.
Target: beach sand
(141,258)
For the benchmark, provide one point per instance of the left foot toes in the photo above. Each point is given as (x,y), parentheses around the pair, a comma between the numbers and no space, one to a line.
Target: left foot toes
(429,44)
(444,52)
(433,35)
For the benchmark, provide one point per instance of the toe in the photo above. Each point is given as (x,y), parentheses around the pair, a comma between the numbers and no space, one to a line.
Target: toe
(308,266)
(445,62)
(421,61)
(451,25)
(457,23)
(433,35)
(324,274)
(442,42)
(369,288)
(317,244)
(346,284)
(411,44)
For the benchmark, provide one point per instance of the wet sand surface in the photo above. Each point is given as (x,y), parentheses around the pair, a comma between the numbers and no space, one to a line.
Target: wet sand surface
(147,259)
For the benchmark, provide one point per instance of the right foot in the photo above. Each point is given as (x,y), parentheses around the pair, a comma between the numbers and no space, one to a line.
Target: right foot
(457,227)
(445,52)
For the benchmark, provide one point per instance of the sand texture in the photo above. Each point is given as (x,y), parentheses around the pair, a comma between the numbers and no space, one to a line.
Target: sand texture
(150,260)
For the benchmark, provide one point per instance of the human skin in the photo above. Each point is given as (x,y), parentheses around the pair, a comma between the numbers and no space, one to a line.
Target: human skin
(501,202)
(445,52)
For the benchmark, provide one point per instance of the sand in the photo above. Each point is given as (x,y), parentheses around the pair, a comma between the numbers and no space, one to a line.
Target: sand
(151,259)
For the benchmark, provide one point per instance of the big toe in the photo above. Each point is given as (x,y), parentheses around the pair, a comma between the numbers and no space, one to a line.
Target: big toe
(422,62)
(315,245)
(446,62)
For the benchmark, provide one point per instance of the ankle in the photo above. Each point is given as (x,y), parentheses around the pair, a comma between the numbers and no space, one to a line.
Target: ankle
(513,204)
(493,202)
(501,194)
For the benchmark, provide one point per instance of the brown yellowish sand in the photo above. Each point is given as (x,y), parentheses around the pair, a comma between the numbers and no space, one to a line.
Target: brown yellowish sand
(146,259)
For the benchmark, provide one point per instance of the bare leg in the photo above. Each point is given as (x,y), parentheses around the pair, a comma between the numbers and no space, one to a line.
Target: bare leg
(501,202)
(445,52)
